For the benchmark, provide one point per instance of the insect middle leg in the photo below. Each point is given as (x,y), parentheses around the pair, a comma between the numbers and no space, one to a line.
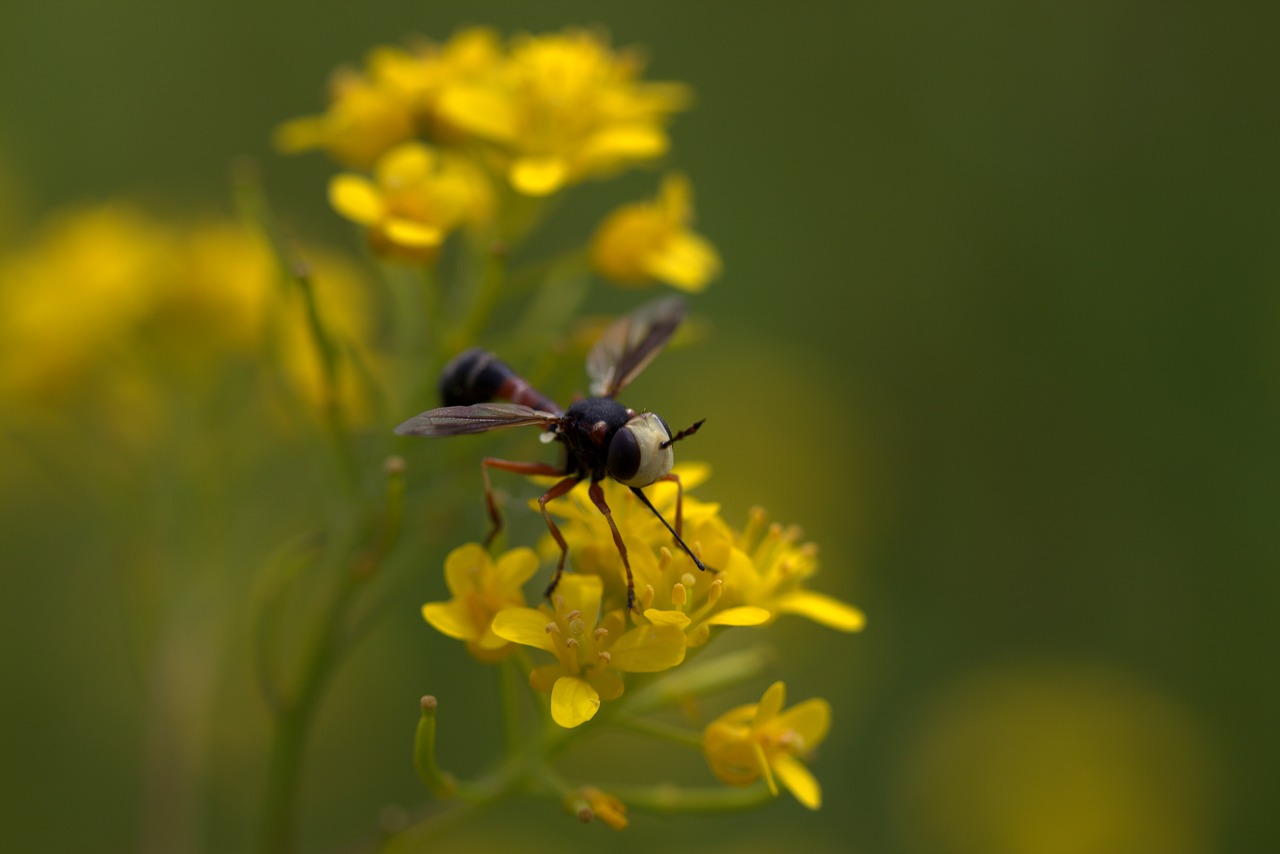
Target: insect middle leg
(597,497)
(526,468)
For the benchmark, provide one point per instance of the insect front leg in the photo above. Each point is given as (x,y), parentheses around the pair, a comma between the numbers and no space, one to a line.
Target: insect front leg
(495,518)
(551,494)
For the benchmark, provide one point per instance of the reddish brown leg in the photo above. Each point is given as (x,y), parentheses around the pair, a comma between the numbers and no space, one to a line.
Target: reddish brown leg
(675,478)
(597,496)
(495,518)
(552,494)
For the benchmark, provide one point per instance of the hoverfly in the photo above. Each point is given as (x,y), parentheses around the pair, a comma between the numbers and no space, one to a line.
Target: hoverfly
(601,437)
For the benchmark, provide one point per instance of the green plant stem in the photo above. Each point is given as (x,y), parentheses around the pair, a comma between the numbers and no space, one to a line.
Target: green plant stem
(659,729)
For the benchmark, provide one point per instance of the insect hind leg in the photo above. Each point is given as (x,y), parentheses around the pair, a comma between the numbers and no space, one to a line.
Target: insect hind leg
(525,468)
(562,487)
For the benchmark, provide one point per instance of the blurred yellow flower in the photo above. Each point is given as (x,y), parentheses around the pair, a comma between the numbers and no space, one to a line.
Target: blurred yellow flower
(603,806)
(564,107)
(592,648)
(647,242)
(393,100)
(761,740)
(761,572)
(481,589)
(110,298)
(418,196)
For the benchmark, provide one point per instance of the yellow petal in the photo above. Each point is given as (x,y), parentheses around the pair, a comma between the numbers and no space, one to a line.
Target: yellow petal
(744,615)
(763,762)
(408,232)
(538,176)
(573,702)
(463,567)
(581,593)
(675,199)
(524,626)
(799,780)
(544,678)
(298,135)
(648,649)
(822,609)
(623,143)
(356,198)
(686,260)
(478,110)
(771,703)
(516,567)
(408,163)
(667,618)
(450,619)
(810,720)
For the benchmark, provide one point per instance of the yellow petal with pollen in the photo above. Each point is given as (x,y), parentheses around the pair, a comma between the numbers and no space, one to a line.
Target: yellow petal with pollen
(648,649)
(356,198)
(525,626)
(407,232)
(573,702)
(538,176)
(450,619)
(822,609)
(686,260)
(745,615)
(581,593)
(797,778)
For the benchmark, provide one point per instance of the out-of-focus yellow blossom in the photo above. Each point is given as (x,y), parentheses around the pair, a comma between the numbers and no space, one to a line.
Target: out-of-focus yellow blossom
(564,107)
(393,100)
(648,242)
(602,805)
(761,740)
(109,297)
(481,588)
(760,573)
(592,648)
(418,196)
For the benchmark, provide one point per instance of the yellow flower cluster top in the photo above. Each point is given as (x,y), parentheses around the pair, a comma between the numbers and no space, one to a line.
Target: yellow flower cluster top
(454,136)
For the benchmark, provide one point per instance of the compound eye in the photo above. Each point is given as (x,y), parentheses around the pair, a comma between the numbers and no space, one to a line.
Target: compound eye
(636,456)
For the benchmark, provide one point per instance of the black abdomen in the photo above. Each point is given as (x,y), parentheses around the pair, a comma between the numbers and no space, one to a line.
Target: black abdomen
(478,376)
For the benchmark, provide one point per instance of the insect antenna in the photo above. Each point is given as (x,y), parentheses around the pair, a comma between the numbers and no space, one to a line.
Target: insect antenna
(685,433)
(645,499)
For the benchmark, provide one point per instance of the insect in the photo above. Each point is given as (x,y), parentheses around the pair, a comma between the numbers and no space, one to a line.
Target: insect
(601,437)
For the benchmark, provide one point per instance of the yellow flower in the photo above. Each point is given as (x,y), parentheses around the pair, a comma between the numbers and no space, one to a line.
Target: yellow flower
(647,242)
(761,740)
(602,805)
(760,574)
(109,300)
(481,589)
(418,196)
(564,107)
(393,99)
(592,649)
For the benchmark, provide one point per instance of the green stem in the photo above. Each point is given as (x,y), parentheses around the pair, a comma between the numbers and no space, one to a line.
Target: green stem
(659,729)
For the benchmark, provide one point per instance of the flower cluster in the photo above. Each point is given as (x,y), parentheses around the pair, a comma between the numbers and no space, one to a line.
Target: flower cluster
(109,298)
(451,136)
(758,574)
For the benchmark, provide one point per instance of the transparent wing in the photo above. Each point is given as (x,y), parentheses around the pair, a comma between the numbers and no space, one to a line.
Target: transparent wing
(630,344)
(477,418)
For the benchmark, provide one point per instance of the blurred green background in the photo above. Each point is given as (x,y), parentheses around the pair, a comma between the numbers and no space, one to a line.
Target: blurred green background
(999,326)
